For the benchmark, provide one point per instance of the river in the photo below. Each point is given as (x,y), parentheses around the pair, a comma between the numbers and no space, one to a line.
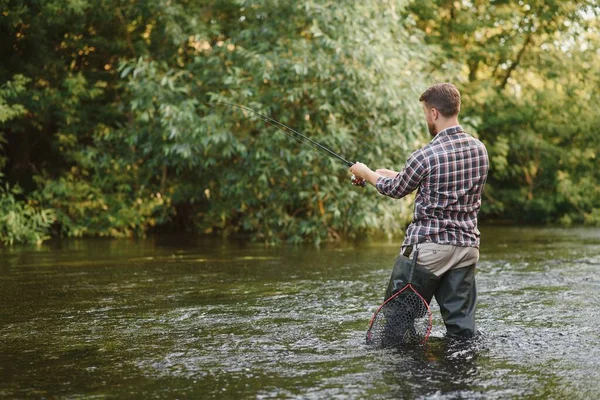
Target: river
(182,317)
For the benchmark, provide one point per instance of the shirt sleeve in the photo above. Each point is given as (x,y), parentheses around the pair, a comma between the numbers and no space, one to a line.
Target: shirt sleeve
(407,180)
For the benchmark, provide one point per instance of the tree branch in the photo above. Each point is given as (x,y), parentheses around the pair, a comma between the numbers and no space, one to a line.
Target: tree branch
(127,33)
(515,64)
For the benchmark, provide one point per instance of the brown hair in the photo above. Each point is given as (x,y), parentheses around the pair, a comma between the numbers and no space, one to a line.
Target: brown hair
(444,97)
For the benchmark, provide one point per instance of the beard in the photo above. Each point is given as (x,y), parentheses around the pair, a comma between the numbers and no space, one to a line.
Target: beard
(432,130)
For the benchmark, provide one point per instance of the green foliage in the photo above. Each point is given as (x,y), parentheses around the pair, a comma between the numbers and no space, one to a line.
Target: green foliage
(8,90)
(531,79)
(345,75)
(92,206)
(8,111)
(22,222)
(109,110)
(70,155)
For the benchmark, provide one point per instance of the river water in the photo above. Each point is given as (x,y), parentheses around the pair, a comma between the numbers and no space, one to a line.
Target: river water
(176,317)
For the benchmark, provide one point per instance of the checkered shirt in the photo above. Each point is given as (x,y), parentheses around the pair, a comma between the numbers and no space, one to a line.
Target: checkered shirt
(450,173)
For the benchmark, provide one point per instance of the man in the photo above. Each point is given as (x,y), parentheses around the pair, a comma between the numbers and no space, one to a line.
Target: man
(449,173)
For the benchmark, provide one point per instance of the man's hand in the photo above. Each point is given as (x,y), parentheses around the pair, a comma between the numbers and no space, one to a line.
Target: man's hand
(361,171)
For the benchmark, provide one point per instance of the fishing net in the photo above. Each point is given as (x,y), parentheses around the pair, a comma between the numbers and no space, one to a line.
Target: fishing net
(405,318)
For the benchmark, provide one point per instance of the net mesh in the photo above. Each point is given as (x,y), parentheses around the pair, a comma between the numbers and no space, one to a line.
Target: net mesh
(404,318)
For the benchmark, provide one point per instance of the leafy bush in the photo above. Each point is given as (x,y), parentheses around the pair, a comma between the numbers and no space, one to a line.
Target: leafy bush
(21,221)
(344,74)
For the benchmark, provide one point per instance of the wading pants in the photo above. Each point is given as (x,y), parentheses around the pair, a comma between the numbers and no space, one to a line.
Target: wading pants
(448,273)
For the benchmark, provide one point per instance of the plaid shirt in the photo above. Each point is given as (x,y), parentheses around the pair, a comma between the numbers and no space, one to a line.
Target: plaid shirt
(450,173)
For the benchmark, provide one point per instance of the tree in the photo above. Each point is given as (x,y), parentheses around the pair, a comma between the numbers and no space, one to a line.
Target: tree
(529,80)
(123,133)
(346,75)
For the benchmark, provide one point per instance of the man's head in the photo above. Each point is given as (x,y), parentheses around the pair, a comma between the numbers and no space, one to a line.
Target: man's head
(441,103)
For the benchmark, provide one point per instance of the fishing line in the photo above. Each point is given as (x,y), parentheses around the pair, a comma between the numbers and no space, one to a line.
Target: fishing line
(299,137)
(289,131)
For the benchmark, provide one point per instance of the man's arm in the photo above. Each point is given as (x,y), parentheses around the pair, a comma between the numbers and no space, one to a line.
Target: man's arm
(361,171)
(388,173)
(390,183)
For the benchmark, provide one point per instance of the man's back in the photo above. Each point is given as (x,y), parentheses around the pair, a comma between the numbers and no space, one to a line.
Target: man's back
(450,173)
(449,196)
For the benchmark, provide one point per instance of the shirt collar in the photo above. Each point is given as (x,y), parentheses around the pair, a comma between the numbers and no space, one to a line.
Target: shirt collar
(448,131)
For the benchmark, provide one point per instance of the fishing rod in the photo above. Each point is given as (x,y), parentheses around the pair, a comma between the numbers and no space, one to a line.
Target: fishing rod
(301,138)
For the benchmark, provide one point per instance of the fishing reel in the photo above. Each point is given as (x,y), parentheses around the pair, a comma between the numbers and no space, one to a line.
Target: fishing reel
(358,181)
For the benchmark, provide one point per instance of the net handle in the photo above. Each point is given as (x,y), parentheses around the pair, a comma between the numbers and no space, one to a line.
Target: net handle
(413,265)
